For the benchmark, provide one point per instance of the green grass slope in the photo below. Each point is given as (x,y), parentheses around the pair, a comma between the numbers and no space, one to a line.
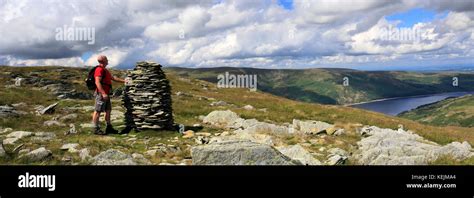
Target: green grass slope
(187,107)
(452,111)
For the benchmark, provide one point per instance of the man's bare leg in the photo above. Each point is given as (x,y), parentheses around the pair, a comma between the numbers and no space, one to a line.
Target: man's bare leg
(107,117)
(95,118)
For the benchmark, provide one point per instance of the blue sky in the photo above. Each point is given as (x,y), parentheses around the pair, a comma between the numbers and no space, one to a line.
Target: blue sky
(413,16)
(287,4)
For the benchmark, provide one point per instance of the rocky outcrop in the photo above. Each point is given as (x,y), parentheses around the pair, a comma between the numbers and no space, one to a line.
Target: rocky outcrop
(147,98)
(238,152)
(400,147)
(116,157)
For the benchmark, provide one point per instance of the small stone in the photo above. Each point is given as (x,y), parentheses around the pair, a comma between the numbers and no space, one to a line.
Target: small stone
(201,140)
(339,132)
(49,109)
(218,103)
(84,154)
(66,159)
(225,133)
(71,147)
(205,134)
(248,107)
(87,125)
(52,123)
(151,152)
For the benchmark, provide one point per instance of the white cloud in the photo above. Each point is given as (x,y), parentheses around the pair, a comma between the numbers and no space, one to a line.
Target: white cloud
(232,32)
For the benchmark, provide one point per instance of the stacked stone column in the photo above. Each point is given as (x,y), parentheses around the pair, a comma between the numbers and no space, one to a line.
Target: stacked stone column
(147,98)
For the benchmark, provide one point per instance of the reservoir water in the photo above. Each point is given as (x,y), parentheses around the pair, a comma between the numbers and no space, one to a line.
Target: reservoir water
(394,106)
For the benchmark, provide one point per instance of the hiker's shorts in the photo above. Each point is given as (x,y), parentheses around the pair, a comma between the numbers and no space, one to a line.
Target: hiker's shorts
(101,105)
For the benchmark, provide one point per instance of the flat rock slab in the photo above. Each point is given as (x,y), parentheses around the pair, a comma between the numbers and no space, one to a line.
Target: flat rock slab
(239,152)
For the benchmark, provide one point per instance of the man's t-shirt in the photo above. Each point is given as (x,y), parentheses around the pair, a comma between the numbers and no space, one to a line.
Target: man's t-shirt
(106,81)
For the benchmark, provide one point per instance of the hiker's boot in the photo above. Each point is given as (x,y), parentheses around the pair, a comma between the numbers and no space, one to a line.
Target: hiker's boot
(110,129)
(126,130)
(97,131)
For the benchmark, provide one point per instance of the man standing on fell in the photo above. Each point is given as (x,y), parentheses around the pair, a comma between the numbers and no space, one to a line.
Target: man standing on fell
(103,81)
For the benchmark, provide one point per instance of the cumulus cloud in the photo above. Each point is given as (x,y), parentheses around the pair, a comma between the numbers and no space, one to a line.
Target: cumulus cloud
(207,33)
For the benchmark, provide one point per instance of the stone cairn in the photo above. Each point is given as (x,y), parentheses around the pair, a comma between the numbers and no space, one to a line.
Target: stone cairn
(147,98)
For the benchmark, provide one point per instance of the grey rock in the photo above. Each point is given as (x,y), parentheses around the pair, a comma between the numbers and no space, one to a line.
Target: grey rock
(338,151)
(8,111)
(239,152)
(68,118)
(70,147)
(2,151)
(297,152)
(336,160)
(221,118)
(6,130)
(43,136)
(52,123)
(248,107)
(49,109)
(339,132)
(140,159)
(8,141)
(310,126)
(20,134)
(218,103)
(336,156)
(21,104)
(39,154)
(399,147)
(84,154)
(113,157)
(87,125)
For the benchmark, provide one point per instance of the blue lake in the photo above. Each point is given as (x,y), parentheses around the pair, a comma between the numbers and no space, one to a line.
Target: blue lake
(398,105)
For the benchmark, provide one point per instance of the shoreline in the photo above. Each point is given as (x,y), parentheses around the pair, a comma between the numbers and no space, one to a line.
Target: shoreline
(416,96)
